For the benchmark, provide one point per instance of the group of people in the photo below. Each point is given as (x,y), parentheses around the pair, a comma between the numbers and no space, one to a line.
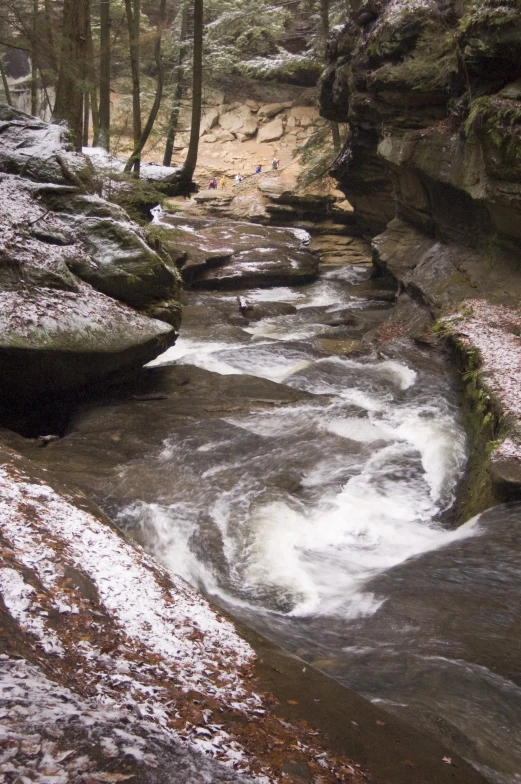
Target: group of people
(212,185)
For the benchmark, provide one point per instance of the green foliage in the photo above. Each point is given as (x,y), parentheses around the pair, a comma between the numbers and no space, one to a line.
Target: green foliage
(135,196)
(488,13)
(500,119)
(433,62)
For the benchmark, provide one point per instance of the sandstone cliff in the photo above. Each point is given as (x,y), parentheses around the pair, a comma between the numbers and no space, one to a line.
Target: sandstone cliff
(431,90)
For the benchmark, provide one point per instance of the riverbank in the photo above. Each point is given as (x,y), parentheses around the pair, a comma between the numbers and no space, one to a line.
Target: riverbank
(287,424)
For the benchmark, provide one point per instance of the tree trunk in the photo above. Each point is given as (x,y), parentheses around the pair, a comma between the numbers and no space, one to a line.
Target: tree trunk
(86,118)
(5,83)
(197,94)
(335,131)
(133,11)
(71,79)
(49,32)
(178,76)
(324,21)
(91,95)
(34,60)
(138,149)
(104,75)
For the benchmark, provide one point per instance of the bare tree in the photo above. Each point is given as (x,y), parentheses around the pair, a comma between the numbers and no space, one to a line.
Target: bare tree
(5,83)
(197,95)
(91,94)
(34,58)
(324,22)
(138,148)
(178,93)
(104,75)
(73,58)
(133,12)
(49,34)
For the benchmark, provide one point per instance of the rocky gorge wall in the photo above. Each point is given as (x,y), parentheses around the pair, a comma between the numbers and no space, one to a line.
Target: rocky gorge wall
(431,90)
(84,296)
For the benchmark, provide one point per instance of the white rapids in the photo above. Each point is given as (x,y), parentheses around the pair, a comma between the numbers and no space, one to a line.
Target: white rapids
(378,459)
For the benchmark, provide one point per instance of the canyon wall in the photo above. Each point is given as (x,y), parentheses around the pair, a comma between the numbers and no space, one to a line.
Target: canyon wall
(431,91)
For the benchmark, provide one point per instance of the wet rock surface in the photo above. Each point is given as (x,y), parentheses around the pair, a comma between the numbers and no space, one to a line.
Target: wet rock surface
(432,166)
(167,685)
(167,455)
(225,255)
(71,264)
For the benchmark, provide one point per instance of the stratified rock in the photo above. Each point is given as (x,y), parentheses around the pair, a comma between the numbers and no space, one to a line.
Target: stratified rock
(40,151)
(69,260)
(431,92)
(420,146)
(236,255)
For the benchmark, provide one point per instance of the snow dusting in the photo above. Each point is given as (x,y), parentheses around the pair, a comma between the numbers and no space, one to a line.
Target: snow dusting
(145,667)
(494,330)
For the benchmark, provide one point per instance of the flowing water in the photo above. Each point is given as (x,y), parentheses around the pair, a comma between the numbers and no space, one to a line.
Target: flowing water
(325,524)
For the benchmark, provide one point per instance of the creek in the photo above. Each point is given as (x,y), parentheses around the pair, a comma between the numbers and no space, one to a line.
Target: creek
(327,524)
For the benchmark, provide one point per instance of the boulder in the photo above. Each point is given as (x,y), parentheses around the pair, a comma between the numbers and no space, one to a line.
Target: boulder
(271,131)
(272,109)
(239,256)
(166,176)
(54,341)
(250,126)
(304,115)
(208,120)
(235,119)
(225,136)
(41,151)
(71,264)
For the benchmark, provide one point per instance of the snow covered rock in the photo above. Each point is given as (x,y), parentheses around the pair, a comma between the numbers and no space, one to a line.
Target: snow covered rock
(148,681)
(230,256)
(71,264)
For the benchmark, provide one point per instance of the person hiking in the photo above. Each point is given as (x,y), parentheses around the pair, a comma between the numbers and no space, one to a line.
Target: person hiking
(212,185)
(222,183)
(239,178)
(275,164)
(258,170)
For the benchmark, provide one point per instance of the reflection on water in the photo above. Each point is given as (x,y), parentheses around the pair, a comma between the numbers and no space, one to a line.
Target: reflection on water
(321,524)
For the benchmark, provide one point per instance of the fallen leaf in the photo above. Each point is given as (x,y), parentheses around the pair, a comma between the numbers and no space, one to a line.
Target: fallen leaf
(409,763)
(292,702)
(447,760)
(381,723)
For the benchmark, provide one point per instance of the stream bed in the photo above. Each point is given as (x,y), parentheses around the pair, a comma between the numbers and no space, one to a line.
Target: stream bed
(325,521)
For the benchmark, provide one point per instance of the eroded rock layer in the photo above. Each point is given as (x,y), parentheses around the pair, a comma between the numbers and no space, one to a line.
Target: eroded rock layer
(431,90)
(78,281)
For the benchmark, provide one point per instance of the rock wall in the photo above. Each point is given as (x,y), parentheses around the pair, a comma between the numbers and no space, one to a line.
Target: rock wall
(432,93)
(431,90)
(82,294)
